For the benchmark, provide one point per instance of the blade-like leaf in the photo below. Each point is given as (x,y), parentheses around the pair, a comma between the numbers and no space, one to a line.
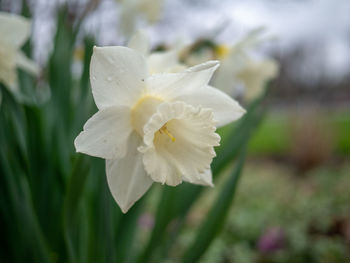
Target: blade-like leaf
(126,233)
(71,204)
(212,224)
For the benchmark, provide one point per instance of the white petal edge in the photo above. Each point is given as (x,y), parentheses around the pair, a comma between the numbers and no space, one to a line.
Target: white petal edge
(225,78)
(8,73)
(255,76)
(225,109)
(206,179)
(126,177)
(14,29)
(166,61)
(251,39)
(117,76)
(127,19)
(26,64)
(210,65)
(170,85)
(140,42)
(105,134)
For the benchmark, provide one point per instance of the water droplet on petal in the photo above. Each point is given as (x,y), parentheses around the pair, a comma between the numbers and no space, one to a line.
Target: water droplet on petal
(109,78)
(93,78)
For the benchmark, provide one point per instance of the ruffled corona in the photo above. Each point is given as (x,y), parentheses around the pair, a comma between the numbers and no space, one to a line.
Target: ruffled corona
(179,142)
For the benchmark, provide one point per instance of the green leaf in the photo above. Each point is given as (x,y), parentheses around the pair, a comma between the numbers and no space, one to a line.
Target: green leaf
(84,81)
(214,221)
(37,242)
(164,214)
(71,205)
(29,240)
(126,233)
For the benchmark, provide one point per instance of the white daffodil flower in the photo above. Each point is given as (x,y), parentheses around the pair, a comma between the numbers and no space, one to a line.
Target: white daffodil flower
(152,127)
(131,10)
(239,72)
(238,69)
(157,62)
(14,32)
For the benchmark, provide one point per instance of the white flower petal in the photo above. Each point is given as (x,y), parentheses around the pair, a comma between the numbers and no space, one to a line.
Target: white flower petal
(171,84)
(225,78)
(209,66)
(106,133)
(26,64)
(140,42)
(178,143)
(8,74)
(152,9)
(127,178)
(225,109)
(255,76)
(205,179)
(127,19)
(14,29)
(167,61)
(117,76)
(201,56)
(251,39)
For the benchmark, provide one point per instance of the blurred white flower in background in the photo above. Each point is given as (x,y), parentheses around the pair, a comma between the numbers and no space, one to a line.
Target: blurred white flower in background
(132,10)
(14,32)
(152,127)
(255,75)
(159,61)
(239,69)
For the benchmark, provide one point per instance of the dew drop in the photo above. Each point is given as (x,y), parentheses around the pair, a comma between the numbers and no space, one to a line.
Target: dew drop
(93,78)
(109,78)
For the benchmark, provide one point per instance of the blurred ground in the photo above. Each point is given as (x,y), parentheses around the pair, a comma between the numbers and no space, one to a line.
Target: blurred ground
(279,216)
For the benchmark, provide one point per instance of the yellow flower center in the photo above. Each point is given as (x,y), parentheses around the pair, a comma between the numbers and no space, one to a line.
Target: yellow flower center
(221,51)
(142,111)
(165,130)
